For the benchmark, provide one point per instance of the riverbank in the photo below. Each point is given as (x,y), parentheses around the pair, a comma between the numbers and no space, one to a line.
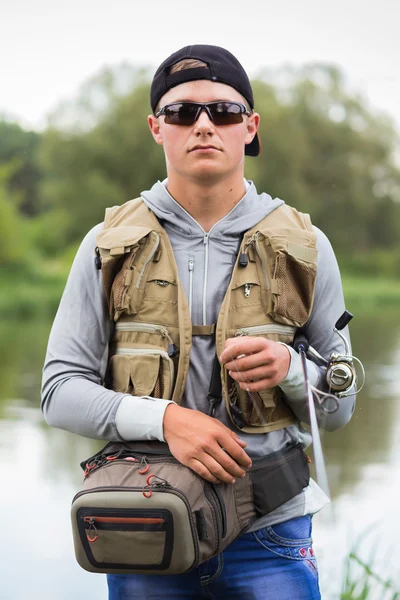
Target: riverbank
(371,293)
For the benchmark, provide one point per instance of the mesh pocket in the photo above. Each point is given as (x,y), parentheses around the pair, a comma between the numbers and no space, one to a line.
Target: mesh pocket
(158,391)
(295,281)
(256,411)
(109,268)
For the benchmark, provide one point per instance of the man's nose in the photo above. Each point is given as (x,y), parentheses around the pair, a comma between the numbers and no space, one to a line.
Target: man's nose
(204,122)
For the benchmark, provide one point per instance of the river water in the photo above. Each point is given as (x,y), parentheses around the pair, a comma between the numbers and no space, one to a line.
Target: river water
(40,473)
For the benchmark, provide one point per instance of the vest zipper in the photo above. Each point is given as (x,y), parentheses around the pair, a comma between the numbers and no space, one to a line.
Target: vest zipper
(128,351)
(148,259)
(146,327)
(247,289)
(254,241)
(191,268)
(205,241)
(268,328)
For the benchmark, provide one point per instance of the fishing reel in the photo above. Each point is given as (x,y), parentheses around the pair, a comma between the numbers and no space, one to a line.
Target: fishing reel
(340,375)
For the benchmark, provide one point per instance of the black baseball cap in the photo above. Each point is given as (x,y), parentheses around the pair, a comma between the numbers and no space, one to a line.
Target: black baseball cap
(223,67)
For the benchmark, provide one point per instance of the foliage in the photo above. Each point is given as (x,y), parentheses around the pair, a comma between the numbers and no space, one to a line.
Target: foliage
(326,154)
(108,165)
(13,247)
(366,584)
(324,151)
(19,149)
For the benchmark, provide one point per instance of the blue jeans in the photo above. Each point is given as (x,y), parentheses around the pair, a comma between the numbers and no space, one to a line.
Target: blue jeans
(275,563)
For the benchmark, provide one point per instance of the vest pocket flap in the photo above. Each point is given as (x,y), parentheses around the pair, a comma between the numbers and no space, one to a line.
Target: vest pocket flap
(142,372)
(136,374)
(298,244)
(246,275)
(161,273)
(121,239)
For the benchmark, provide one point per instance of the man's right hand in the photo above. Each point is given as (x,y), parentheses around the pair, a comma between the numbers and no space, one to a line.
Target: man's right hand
(205,445)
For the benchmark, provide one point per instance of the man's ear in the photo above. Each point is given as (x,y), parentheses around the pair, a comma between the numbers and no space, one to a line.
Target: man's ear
(155,129)
(253,124)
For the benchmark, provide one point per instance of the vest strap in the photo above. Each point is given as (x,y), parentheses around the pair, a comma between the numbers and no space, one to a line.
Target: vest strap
(203,329)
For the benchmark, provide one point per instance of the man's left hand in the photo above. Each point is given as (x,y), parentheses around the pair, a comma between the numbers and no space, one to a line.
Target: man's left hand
(255,363)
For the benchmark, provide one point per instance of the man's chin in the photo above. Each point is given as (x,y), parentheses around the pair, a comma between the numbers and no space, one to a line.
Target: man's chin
(208,176)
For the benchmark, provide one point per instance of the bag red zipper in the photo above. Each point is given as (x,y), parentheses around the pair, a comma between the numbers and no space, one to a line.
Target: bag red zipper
(132,520)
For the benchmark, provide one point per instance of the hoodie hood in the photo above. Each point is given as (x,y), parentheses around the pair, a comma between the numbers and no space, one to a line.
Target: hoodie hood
(250,210)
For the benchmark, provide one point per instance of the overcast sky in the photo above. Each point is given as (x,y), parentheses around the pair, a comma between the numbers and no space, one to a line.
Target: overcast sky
(48,47)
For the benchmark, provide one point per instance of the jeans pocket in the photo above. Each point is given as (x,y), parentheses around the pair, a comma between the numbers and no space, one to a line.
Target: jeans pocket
(290,539)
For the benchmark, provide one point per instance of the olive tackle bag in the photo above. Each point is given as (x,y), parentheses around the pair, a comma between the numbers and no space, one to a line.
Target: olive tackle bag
(141,511)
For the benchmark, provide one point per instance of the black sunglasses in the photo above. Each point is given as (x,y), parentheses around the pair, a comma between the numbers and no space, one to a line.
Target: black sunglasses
(187,113)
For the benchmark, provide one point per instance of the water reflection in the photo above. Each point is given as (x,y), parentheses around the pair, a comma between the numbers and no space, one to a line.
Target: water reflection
(40,466)
(371,435)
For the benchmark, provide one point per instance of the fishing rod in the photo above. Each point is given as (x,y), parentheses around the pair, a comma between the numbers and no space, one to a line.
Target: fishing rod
(341,378)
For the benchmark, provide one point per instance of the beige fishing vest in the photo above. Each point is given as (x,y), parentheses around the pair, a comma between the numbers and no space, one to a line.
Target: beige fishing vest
(270,294)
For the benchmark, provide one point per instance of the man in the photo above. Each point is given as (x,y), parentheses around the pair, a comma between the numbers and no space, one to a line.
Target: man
(203,116)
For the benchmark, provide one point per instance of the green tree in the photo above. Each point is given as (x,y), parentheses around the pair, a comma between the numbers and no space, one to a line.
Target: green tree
(107,165)
(327,154)
(324,151)
(13,245)
(19,147)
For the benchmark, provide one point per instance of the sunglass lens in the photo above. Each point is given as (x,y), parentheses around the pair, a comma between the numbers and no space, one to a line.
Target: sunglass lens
(181,114)
(226,113)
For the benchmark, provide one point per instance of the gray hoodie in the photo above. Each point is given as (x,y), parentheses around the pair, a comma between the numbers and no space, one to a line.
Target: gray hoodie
(73,396)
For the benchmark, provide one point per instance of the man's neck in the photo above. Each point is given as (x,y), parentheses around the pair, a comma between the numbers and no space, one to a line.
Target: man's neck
(207,204)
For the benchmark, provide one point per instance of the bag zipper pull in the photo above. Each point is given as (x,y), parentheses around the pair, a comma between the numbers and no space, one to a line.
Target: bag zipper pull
(114,456)
(91,529)
(144,466)
(90,466)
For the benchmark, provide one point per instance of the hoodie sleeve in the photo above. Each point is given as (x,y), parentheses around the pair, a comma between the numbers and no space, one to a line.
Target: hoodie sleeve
(328,307)
(73,395)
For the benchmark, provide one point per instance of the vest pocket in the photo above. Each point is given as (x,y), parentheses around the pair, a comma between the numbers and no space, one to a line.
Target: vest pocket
(142,372)
(286,265)
(258,408)
(293,281)
(126,253)
(294,290)
(250,408)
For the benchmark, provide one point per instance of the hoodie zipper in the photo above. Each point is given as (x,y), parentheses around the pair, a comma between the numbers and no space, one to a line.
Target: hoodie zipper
(191,268)
(205,241)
